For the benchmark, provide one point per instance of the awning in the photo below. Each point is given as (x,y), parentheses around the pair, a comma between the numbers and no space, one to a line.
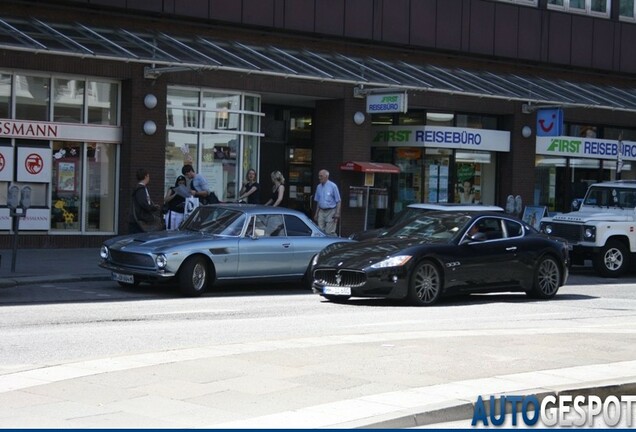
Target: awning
(370,167)
(162,52)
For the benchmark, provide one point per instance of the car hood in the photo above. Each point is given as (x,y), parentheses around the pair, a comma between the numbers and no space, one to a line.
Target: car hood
(362,254)
(368,234)
(157,240)
(613,215)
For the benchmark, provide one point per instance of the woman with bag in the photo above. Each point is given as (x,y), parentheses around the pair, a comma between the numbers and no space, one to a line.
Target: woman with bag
(145,214)
(174,203)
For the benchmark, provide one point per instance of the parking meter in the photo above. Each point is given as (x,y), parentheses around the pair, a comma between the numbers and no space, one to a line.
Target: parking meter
(25,197)
(13,198)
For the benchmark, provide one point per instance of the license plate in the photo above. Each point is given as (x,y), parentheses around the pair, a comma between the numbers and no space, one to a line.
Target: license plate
(123,278)
(336,290)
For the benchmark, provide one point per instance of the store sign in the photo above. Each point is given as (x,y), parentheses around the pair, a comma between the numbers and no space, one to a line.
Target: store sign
(584,147)
(59,131)
(445,137)
(34,164)
(550,122)
(6,163)
(35,220)
(387,103)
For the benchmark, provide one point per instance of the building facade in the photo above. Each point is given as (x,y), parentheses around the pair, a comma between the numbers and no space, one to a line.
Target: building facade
(468,101)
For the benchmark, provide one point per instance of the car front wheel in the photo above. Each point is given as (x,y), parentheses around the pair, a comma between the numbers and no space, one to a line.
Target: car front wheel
(547,279)
(194,276)
(612,260)
(425,286)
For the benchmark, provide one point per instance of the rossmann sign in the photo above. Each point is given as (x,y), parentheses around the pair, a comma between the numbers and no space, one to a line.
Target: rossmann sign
(438,136)
(59,131)
(585,147)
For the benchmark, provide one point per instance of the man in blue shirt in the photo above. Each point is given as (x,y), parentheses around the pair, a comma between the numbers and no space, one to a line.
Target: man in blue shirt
(199,186)
(328,203)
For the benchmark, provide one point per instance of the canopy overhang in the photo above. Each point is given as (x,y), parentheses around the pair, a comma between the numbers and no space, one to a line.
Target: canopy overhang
(164,53)
(370,167)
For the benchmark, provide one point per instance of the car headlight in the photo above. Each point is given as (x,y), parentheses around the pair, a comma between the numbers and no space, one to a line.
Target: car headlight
(162,261)
(103,252)
(396,261)
(547,228)
(589,233)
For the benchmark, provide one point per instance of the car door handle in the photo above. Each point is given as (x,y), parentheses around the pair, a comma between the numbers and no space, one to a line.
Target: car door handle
(511,248)
(286,245)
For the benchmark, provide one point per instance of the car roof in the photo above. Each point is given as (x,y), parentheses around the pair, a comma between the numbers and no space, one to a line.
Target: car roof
(456,207)
(617,183)
(257,208)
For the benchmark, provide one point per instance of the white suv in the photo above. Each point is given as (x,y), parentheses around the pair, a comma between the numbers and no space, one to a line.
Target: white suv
(603,229)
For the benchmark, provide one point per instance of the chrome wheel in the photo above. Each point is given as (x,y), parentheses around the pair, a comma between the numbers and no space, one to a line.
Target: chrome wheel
(548,278)
(426,284)
(194,276)
(612,260)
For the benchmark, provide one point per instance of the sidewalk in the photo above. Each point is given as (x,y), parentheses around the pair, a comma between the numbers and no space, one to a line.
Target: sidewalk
(292,383)
(34,265)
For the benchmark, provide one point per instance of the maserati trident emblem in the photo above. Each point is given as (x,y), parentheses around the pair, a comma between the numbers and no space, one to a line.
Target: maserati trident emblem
(338,278)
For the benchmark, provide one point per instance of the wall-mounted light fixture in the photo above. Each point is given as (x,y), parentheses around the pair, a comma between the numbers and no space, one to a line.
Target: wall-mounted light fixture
(358,118)
(150,101)
(150,127)
(526,131)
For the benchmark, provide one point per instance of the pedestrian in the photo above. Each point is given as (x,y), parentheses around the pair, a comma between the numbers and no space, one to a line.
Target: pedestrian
(199,186)
(143,209)
(278,189)
(174,203)
(328,203)
(251,190)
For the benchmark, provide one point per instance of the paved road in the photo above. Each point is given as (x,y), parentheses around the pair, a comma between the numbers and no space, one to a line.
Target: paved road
(278,356)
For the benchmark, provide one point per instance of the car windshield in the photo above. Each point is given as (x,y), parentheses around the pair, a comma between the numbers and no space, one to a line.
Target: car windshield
(215,220)
(431,225)
(611,197)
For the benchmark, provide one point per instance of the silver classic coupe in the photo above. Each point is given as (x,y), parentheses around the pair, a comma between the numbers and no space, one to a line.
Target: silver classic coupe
(219,243)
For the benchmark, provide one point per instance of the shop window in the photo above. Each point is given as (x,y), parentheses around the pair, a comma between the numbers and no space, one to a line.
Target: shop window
(102,100)
(32,98)
(66,186)
(221,157)
(300,125)
(590,7)
(68,100)
(5,95)
(627,11)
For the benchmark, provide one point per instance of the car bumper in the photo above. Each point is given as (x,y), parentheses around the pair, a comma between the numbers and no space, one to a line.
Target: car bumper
(388,283)
(145,274)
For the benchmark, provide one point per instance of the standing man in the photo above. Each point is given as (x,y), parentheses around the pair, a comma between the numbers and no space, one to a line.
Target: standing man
(328,204)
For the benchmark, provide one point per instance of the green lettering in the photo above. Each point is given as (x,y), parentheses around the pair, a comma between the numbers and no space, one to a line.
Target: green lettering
(563,145)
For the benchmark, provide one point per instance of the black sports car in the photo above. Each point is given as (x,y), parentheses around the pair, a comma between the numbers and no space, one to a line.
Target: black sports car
(439,253)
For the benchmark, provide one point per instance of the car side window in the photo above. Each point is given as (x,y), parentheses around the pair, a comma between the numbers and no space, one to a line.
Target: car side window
(513,229)
(296,227)
(491,227)
(269,225)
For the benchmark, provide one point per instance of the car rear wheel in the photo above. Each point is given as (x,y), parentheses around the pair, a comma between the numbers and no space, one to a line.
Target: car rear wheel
(547,278)
(612,260)
(194,276)
(425,286)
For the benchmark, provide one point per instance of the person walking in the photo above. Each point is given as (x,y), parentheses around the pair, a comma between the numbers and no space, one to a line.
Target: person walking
(199,186)
(251,190)
(328,202)
(278,189)
(174,200)
(142,206)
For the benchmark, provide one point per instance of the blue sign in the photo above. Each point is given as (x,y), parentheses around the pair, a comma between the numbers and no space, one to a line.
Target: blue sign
(550,122)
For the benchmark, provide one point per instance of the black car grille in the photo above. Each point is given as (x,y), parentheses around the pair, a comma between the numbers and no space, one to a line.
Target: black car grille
(572,233)
(131,259)
(340,277)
